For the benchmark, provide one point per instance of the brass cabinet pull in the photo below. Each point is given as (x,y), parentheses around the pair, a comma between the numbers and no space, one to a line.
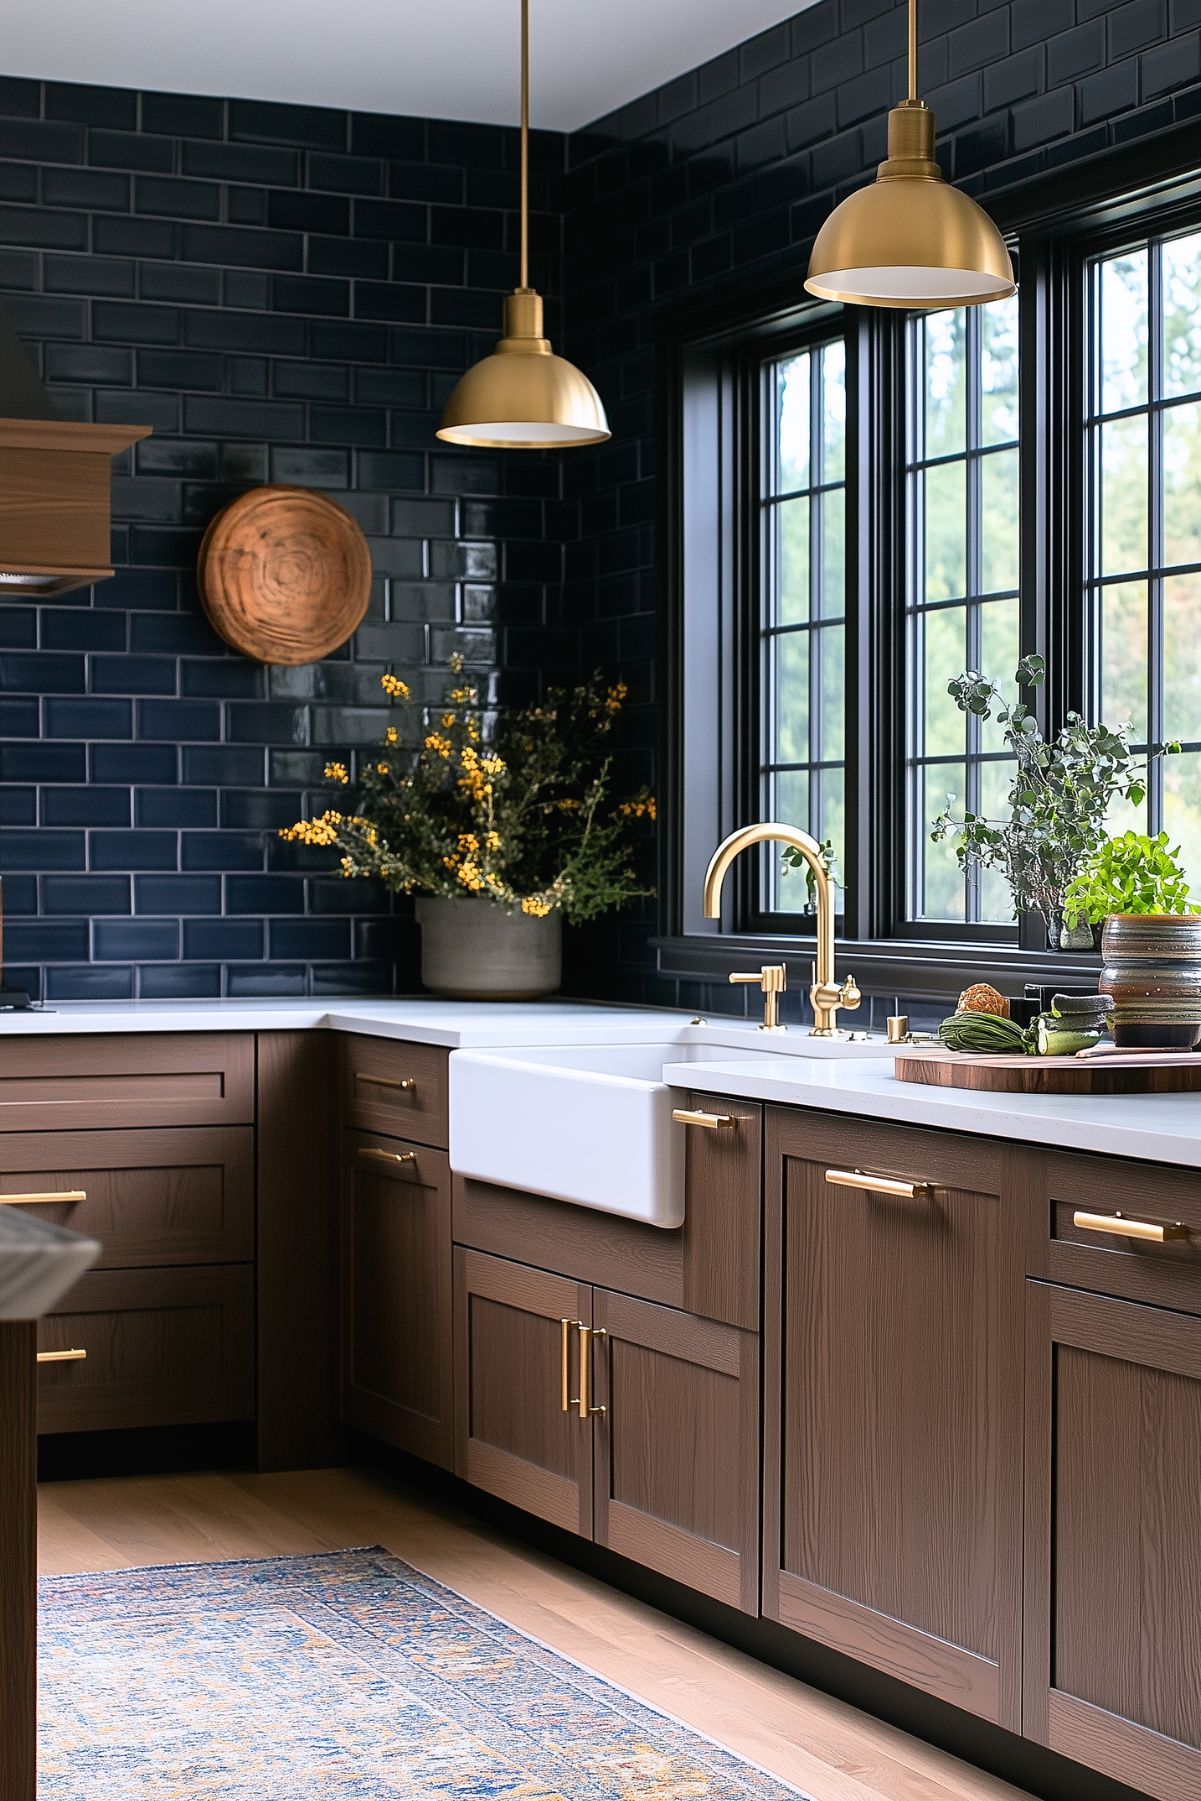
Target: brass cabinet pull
(65,1197)
(567,1399)
(62,1356)
(1150,1230)
(712,1122)
(391,1160)
(587,1335)
(404,1084)
(891,1185)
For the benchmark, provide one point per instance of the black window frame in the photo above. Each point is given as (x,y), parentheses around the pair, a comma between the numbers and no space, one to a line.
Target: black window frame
(1057,223)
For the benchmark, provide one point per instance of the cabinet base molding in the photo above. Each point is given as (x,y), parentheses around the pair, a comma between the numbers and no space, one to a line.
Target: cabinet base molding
(961,1678)
(1160,1766)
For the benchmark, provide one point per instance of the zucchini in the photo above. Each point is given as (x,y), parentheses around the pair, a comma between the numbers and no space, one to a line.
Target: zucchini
(1054,1039)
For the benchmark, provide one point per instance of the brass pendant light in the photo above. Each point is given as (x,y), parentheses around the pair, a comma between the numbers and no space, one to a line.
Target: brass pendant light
(523,396)
(911,239)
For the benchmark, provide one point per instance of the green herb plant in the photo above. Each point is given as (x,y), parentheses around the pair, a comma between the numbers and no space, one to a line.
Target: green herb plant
(1060,794)
(1130,874)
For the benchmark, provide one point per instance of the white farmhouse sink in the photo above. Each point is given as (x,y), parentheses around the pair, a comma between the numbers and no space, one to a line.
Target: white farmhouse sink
(589,1124)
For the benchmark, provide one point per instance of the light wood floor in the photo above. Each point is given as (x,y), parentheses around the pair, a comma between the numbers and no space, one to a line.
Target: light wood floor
(829,1750)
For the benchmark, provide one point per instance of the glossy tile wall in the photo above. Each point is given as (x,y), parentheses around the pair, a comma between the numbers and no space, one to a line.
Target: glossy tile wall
(285,294)
(715,185)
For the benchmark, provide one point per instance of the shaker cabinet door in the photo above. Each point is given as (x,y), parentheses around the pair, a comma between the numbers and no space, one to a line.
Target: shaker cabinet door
(1113,1538)
(677,1446)
(396,1294)
(892,1520)
(518,1430)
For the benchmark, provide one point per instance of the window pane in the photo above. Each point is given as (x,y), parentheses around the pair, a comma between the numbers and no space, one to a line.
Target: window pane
(788,525)
(832,589)
(1182,812)
(999,373)
(945,337)
(1124,657)
(831,648)
(999,521)
(995,900)
(1123,496)
(832,822)
(1123,350)
(945,645)
(790,802)
(1182,315)
(1000,648)
(834,411)
(1182,483)
(945,515)
(793,424)
(791,698)
(1182,659)
(942,895)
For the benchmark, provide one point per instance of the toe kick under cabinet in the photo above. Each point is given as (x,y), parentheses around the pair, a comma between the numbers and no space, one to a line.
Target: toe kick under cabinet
(147,1144)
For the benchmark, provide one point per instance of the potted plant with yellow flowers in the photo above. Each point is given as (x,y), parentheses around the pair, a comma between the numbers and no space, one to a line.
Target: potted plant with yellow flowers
(501,824)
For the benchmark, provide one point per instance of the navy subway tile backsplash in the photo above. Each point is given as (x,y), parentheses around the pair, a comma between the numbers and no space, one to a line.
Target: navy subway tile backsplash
(285,294)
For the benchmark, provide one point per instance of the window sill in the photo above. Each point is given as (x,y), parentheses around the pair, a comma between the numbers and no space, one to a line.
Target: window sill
(925,969)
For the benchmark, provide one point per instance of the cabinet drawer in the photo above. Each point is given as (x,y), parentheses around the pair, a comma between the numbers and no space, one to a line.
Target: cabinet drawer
(395,1088)
(1093,1203)
(151,1197)
(155,1079)
(164,1348)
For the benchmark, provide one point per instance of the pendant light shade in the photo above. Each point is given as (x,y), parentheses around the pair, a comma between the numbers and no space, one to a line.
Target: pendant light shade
(910,240)
(523,396)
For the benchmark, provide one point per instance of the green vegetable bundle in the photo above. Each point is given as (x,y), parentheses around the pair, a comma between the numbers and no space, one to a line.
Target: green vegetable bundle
(991,1034)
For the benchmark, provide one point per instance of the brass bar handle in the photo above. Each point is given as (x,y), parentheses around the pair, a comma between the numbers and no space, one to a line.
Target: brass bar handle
(1152,1231)
(587,1335)
(62,1356)
(389,1160)
(403,1084)
(64,1197)
(895,1186)
(567,1399)
(711,1122)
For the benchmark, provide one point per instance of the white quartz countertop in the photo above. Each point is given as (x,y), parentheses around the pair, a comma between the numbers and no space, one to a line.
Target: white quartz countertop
(422,1021)
(38,1264)
(1156,1128)
(798,1072)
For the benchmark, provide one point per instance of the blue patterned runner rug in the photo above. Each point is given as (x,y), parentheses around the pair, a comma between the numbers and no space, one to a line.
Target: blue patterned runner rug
(342,1677)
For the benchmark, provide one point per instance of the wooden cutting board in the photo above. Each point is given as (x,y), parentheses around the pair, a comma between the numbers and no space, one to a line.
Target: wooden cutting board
(1103,1071)
(284,575)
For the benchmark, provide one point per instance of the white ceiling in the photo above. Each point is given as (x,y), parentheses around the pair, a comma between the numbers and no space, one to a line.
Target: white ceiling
(450,59)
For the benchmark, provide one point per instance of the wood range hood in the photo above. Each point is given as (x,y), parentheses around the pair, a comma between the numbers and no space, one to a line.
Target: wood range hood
(55,483)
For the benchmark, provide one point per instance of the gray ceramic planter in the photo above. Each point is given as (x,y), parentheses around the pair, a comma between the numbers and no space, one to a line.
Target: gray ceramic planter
(1153,971)
(474,950)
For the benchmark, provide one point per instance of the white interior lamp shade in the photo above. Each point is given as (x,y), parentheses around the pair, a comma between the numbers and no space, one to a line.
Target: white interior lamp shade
(523,396)
(911,239)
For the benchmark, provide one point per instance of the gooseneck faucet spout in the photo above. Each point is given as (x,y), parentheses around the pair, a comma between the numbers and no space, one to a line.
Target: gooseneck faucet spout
(826,995)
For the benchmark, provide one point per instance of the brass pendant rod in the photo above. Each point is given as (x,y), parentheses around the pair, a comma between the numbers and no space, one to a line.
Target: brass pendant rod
(525,144)
(913,51)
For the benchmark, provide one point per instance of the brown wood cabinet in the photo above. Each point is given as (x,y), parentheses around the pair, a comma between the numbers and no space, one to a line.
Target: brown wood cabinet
(617,1419)
(97,1081)
(397,1089)
(676,1466)
(1113,1538)
(165,1347)
(397,1370)
(893,1327)
(513,1434)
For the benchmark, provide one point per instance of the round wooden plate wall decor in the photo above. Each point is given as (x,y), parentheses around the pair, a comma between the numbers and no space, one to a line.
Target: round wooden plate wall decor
(284,575)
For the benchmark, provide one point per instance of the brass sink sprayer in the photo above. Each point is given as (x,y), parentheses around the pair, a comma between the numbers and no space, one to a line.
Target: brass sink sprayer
(826,994)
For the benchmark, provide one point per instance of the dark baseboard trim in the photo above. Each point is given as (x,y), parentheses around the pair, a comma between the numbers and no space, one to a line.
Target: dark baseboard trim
(1041,1773)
